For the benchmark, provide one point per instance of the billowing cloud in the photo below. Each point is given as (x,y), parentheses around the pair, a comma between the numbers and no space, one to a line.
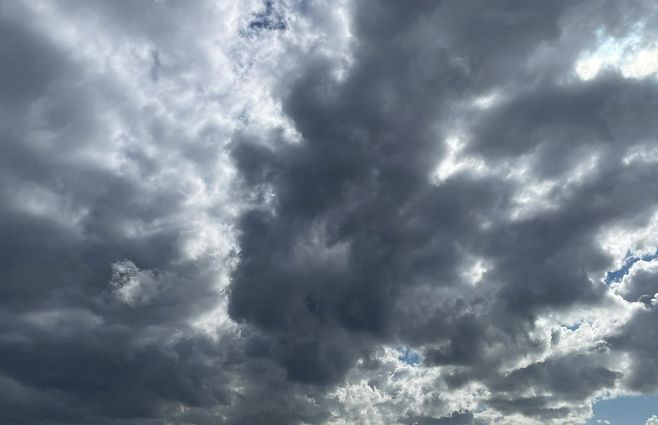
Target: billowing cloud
(291,212)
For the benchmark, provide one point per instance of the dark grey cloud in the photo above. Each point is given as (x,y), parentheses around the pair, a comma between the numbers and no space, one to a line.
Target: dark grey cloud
(572,378)
(529,407)
(247,214)
(457,418)
(359,184)
(72,350)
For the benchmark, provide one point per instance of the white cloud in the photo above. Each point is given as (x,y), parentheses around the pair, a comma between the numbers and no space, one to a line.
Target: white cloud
(134,286)
(631,55)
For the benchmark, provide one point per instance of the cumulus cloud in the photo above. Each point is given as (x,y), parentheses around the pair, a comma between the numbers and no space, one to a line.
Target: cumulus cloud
(292,212)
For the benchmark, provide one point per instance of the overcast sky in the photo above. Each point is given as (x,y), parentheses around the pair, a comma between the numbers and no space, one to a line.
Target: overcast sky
(367,212)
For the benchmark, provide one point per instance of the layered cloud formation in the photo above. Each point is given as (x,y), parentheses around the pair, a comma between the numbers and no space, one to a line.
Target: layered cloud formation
(346,212)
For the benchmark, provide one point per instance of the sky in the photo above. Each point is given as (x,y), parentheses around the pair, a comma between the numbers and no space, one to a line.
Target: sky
(306,212)
(625,410)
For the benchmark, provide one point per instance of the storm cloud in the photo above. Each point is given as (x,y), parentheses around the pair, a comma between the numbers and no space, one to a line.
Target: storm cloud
(306,212)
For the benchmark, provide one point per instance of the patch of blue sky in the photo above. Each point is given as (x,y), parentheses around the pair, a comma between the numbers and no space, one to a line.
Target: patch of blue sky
(408,356)
(629,410)
(269,19)
(574,327)
(629,260)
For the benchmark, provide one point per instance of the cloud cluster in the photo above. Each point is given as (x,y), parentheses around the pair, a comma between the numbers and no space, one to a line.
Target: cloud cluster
(293,212)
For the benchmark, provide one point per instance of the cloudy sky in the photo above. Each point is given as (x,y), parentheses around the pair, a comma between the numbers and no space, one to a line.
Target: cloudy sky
(341,212)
